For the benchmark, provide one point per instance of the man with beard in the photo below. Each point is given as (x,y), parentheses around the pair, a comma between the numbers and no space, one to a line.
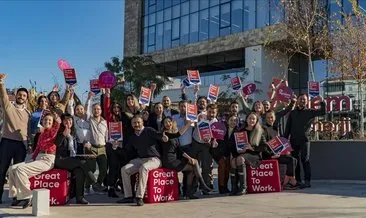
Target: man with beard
(15,130)
(168,111)
(298,128)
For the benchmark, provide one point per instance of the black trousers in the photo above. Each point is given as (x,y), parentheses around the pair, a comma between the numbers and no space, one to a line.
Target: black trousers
(302,154)
(79,171)
(290,163)
(9,150)
(116,160)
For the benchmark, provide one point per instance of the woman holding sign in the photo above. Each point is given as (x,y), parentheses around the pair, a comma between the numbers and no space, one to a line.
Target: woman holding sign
(176,159)
(248,147)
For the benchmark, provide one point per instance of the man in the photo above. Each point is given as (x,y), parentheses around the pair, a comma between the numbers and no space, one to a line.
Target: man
(168,111)
(98,141)
(15,130)
(201,148)
(144,142)
(298,128)
(234,110)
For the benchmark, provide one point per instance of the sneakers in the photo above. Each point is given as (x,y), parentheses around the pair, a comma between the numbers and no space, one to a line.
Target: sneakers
(289,186)
(139,202)
(125,200)
(15,202)
(307,184)
(98,187)
(82,201)
(25,203)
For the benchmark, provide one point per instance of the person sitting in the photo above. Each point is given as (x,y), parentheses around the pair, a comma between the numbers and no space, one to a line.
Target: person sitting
(43,160)
(250,154)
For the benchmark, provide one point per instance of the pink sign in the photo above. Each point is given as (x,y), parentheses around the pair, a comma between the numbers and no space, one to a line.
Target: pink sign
(63,64)
(284,94)
(107,79)
(249,89)
(218,130)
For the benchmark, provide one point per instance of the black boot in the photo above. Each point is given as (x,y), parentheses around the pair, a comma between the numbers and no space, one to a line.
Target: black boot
(112,193)
(191,192)
(242,180)
(234,181)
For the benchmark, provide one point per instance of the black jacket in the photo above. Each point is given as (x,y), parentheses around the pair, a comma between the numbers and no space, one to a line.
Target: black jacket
(299,122)
(62,146)
(152,121)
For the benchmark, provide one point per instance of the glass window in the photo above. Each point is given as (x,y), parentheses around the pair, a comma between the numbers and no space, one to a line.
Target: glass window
(152,35)
(159,36)
(176,11)
(159,17)
(214,22)
(175,2)
(237,16)
(152,19)
(159,5)
(347,6)
(145,40)
(203,25)
(249,14)
(185,8)
(203,4)
(225,31)
(262,13)
(167,14)
(175,43)
(362,5)
(193,27)
(151,48)
(175,29)
(167,34)
(216,2)
(167,3)
(146,21)
(334,10)
(276,12)
(225,15)
(152,9)
(194,6)
(146,9)
(223,1)
(152,2)
(184,30)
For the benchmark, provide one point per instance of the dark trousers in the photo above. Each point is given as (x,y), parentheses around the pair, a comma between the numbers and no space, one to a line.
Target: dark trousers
(201,152)
(101,160)
(9,149)
(290,163)
(188,150)
(116,160)
(79,171)
(302,154)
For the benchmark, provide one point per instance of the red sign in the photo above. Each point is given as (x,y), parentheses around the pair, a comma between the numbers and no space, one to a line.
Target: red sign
(107,80)
(314,89)
(194,76)
(241,139)
(63,65)
(145,96)
(218,130)
(249,89)
(55,180)
(204,130)
(213,92)
(284,94)
(191,112)
(264,178)
(70,76)
(236,83)
(116,131)
(94,86)
(277,146)
(334,103)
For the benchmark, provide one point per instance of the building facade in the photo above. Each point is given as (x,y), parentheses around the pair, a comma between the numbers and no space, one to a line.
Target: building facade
(216,37)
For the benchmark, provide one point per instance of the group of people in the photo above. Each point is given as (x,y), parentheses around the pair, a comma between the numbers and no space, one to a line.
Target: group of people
(75,137)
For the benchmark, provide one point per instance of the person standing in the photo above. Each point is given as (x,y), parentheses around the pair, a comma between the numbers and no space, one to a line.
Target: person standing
(13,143)
(298,130)
(168,110)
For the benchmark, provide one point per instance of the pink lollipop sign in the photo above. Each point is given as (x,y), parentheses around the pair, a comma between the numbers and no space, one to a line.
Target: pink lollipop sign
(63,65)
(249,89)
(107,79)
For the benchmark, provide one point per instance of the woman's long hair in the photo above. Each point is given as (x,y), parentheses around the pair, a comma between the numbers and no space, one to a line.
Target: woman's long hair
(66,116)
(137,106)
(174,125)
(257,131)
(253,108)
(116,118)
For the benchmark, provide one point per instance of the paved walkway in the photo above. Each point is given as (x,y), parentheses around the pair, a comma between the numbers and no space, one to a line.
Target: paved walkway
(324,199)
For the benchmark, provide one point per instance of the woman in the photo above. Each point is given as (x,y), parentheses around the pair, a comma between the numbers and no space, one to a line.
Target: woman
(154,120)
(174,158)
(66,158)
(43,160)
(257,108)
(270,132)
(112,111)
(250,154)
(132,108)
(35,120)
(221,154)
(56,103)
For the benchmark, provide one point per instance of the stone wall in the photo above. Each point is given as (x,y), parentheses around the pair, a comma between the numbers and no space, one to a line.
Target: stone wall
(133,24)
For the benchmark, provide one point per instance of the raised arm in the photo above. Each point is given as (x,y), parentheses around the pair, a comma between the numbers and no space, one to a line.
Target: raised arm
(88,106)
(289,108)
(320,112)
(65,99)
(4,99)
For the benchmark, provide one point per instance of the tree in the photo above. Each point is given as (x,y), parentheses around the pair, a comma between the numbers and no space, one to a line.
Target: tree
(133,73)
(348,56)
(305,27)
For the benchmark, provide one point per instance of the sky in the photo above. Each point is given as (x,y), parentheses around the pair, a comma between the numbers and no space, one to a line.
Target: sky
(35,34)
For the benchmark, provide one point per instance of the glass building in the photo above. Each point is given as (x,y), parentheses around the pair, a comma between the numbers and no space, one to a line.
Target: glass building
(171,23)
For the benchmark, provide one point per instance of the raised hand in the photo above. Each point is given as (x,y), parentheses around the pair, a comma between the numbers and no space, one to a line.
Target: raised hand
(67,131)
(196,89)
(2,76)
(55,88)
(165,138)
